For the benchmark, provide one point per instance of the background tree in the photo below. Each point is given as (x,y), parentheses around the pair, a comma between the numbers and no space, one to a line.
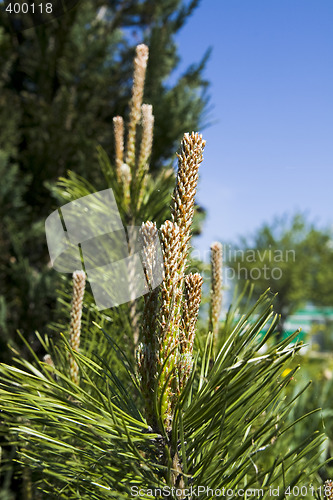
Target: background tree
(291,257)
(61,83)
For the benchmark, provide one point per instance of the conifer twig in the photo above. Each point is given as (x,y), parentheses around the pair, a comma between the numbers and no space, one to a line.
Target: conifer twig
(189,159)
(140,65)
(170,318)
(192,299)
(170,312)
(148,351)
(79,282)
(147,137)
(118,130)
(145,148)
(133,309)
(216,288)
(150,242)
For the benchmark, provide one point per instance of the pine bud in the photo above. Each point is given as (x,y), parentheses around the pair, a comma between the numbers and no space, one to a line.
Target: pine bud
(118,130)
(79,282)
(216,287)
(140,66)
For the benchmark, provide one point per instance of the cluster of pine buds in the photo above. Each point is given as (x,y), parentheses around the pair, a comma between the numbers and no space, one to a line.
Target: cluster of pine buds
(165,356)
(132,162)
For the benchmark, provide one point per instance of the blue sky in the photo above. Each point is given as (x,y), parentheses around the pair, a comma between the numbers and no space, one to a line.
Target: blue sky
(270,150)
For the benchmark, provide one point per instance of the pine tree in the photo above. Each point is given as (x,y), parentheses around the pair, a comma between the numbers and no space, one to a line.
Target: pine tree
(192,410)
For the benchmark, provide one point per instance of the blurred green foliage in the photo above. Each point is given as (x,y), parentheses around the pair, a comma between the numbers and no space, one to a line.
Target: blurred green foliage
(291,257)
